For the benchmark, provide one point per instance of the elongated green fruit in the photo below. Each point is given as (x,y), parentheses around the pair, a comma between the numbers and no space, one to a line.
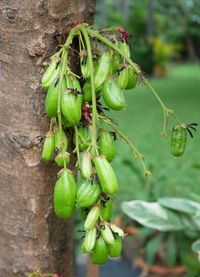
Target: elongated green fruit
(84,138)
(103,69)
(115,249)
(51,101)
(83,248)
(106,175)
(178,140)
(115,63)
(100,253)
(116,230)
(106,209)
(48,147)
(132,79)
(84,212)
(66,123)
(86,165)
(61,157)
(65,194)
(60,143)
(90,239)
(106,145)
(124,47)
(84,65)
(71,107)
(106,233)
(113,95)
(74,84)
(88,193)
(123,76)
(87,96)
(92,217)
(51,73)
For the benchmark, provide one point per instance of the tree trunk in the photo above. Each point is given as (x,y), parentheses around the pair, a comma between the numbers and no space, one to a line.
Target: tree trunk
(31,236)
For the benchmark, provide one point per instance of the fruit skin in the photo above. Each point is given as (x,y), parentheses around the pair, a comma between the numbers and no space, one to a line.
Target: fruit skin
(51,101)
(64,194)
(106,210)
(106,175)
(113,95)
(48,147)
(107,234)
(88,193)
(84,212)
(86,165)
(58,140)
(65,122)
(116,230)
(106,145)
(115,63)
(51,73)
(61,157)
(92,217)
(90,239)
(84,138)
(87,96)
(102,70)
(178,140)
(100,253)
(132,79)
(123,76)
(115,249)
(124,47)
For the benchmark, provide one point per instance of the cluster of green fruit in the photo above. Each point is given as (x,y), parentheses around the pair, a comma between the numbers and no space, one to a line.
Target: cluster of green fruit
(71,104)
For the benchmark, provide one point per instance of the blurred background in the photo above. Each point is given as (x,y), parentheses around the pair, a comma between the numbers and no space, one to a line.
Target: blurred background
(165,42)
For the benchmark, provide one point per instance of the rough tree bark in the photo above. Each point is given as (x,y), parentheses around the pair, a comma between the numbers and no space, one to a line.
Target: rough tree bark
(31,236)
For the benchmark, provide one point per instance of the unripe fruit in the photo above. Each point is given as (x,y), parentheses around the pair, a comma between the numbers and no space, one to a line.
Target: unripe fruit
(64,194)
(116,230)
(102,70)
(115,249)
(84,64)
(51,73)
(92,217)
(86,165)
(106,233)
(88,193)
(132,79)
(84,138)
(61,141)
(48,147)
(113,95)
(106,210)
(123,76)
(90,239)
(100,253)
(106,145)
(106,175)
(61,157)
(124,47)
(178,140)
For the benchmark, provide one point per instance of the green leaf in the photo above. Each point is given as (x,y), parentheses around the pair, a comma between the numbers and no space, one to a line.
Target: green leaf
(171,250)
(190,223)
(152,247)
(196,218)
(196,246)
(153,215)
(180,204)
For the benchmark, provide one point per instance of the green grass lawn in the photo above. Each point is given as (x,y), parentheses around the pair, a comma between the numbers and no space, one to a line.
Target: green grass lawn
(142,121)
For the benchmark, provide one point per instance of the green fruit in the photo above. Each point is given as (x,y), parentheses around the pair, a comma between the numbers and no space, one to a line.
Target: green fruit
(48,147)
(84,64)
(132,79)
(115,249)
(178,140)
(115,63)
(90,239)
(106,145)
(64,194)
(113,95)
(102,70)
(106,175)
(51,73)
(92,217)
(88,193)
(86,165)
(61,141)
(51,101)
(100,253)
(87,96)
(107,234)
(123,76)
(83,248)
(84,138)
(66,123)
(124,47)
(92,151)
(116,230)
(61,157)
(106,210)
(74,84)
(71,107)
(84,212)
